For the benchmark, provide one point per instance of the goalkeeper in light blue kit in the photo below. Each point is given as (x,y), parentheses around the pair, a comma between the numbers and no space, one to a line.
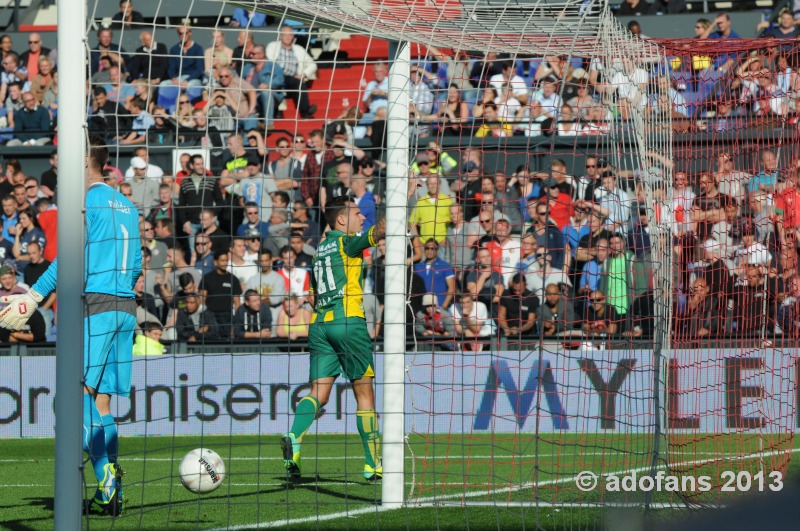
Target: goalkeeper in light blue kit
(113,263)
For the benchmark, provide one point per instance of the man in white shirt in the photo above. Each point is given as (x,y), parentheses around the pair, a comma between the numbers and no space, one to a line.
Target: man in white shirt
(153,171)
(298,68)
(508,77)
(376,92)
(613,203)
(242,269)
(547,99)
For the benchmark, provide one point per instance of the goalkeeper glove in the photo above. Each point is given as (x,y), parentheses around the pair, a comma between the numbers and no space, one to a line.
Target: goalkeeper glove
(19,309)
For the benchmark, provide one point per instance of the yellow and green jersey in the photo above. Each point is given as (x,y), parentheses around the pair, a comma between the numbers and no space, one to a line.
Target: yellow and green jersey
(337,279)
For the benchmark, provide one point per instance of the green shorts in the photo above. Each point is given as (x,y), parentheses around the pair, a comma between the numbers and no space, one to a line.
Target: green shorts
(342,345)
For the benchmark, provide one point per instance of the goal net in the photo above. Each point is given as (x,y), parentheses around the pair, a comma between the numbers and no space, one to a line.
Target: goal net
(589,272)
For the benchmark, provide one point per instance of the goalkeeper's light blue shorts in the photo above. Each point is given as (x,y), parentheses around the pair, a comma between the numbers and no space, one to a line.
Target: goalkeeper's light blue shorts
(108,352)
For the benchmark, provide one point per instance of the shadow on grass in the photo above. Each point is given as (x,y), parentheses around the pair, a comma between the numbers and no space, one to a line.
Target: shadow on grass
(46,504)
(315,484)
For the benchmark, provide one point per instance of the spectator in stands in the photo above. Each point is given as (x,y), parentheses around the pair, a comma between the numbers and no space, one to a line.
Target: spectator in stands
(297,280)
(44,80)
(376,92)
(364,199)
(594,269)
(506,200)
(209,225)
(185,61)
(472,322)
(547,234)
(750,303)
(633,8)
(432,213)
(235,161)
(484,281)
(217,46)
(248,18)
(556,315)
(269,284)
(267,77)
(195,323)
(298,69)
(252,320)
(145,189)
(150,60)
(126,17)
(540,273)
(313,170)
(302,259)
(505,249)
(546,103)
(48,220)
(421,100)
(13,103)
(28,231)
(435,323)
(203,257)
(286,170)
(709,208)
(107,116)
(439,276)
(221,291)
(106,47)
(240,96)
(6,46)
(242,269)
(21,197)
(558,203)
(157,249)
(785,29)
(612,203)
(31,124)
(32,194)
(767,178)
(30,57)
(253,221)
(601,319)
(461,237)
(142,122)
(304,225)
(12,73)
(244,41)
(49,179)
(197,191)
(509,78)
(517,313)
(293,318)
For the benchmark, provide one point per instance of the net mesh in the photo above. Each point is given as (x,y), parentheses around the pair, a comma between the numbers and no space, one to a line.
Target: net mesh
(559,170)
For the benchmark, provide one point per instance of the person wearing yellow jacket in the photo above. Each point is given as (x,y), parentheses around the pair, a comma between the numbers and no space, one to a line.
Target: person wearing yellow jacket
(149,343)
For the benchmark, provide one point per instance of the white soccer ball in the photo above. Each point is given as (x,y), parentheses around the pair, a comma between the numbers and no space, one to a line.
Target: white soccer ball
(202,470)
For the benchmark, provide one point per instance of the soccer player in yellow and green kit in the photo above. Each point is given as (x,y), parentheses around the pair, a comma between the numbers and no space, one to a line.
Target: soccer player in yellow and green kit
(338,338)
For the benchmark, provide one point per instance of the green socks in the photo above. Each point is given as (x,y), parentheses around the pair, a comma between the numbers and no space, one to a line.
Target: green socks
(304,416)
(367,422)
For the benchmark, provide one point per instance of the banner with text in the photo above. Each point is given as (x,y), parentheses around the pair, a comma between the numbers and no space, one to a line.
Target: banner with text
(505,392)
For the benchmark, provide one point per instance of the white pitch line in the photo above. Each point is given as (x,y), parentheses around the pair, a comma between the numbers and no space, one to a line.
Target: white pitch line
(437,500)
(361,457)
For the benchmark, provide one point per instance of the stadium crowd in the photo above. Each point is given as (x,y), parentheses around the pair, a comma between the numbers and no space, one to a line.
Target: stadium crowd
(511,255)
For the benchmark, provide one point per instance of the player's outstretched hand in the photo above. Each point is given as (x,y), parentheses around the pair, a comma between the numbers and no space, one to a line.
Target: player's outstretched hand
(19,309)
(380,229)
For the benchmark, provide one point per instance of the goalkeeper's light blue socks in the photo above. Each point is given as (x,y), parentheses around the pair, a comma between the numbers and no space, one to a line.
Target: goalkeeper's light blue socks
(112,443)
(94,437)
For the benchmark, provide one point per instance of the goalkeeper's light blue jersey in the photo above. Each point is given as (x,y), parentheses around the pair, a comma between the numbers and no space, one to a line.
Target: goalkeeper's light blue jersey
(113,253)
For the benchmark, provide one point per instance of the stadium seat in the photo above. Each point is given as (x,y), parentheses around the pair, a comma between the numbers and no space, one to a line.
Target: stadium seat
(168,98)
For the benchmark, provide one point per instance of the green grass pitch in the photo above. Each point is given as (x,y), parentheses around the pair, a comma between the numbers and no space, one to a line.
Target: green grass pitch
(496,472)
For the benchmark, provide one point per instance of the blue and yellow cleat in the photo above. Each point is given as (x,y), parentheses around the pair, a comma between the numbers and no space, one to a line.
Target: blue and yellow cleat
(373,474)
(291,455)
(108,498)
